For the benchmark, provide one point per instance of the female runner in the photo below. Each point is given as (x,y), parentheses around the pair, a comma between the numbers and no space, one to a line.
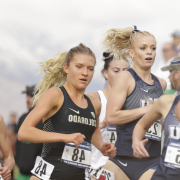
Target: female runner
(128,102)
(9,162)
(110,70)
(68,115)
(169,165)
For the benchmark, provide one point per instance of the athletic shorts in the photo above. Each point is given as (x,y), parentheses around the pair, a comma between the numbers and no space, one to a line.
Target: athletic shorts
(63,171)
(165,173)
(134,167)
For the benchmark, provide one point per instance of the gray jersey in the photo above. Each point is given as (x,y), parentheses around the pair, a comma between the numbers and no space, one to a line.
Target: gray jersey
(138,98)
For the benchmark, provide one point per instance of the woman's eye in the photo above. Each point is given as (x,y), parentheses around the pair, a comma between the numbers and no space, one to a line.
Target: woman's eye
(91,69)
(154,48)
(78,66)
(142,48)
(116,70)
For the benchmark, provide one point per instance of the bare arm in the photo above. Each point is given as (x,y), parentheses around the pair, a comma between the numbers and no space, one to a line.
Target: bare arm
(122,87)
(96,95)
(158,110)
(106,149)
(50,101)
(6,150)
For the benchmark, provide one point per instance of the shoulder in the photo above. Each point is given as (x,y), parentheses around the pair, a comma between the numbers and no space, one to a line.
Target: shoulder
(163,83)
(52,94)
(93,94)
(96,103)
(2,124)
(1,118)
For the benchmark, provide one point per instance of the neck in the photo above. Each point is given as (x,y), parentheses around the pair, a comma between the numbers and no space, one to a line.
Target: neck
(144,74)
(73,92)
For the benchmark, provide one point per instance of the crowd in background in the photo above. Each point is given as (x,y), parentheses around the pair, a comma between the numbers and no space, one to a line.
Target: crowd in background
(25,153)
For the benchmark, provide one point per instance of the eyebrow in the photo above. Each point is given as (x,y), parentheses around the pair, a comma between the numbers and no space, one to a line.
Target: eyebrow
(151,45)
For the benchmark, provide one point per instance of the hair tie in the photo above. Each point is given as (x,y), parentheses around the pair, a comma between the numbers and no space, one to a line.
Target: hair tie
(135,29)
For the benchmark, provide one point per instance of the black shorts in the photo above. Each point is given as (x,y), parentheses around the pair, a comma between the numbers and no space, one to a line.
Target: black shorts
(134,167)
(63,171)
(165,173)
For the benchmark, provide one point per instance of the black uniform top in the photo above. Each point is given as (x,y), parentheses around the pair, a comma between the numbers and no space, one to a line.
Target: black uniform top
(26,152)
(137,99)
(67,120)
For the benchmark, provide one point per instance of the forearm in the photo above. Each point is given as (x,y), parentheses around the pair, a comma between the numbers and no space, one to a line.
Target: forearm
(34,135)
(124,116)
(9,162)
(97,139)
(138,133)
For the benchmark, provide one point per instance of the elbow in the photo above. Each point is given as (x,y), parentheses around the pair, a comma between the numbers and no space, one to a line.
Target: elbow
(109,121)
(21,136)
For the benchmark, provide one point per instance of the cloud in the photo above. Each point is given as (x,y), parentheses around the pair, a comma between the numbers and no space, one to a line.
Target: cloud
(33,31)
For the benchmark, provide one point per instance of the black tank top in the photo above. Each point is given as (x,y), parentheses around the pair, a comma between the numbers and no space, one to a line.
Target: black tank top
(67,120)
(136,100)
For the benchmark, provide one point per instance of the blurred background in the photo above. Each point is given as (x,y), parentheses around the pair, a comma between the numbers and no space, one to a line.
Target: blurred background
(33,31)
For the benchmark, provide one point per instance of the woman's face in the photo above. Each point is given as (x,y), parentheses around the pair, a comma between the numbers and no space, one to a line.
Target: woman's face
(144,51)
(115,67)
(80,71)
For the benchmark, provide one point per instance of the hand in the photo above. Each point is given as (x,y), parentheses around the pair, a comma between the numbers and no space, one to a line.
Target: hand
(138,149)
(5,173)
(108,149)
(76,138)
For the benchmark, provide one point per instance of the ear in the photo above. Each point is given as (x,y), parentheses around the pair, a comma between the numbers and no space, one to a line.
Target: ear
(65,68)
(105,74)
(131,52)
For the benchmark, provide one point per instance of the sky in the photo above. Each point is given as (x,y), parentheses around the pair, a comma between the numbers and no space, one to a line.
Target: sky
(36,30)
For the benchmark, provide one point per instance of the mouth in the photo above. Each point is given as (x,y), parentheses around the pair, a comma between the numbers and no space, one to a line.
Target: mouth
(83,79)
(148,59)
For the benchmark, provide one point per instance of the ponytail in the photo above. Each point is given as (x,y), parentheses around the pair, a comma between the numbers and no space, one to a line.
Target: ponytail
(54,75)
(119,41)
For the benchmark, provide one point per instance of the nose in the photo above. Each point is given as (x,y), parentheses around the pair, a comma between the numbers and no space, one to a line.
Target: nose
(85,71)
(149,51)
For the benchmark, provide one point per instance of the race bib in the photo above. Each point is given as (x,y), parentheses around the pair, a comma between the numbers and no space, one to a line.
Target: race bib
(172,157)
(155,131)
(80,157)
(108,175)
(42,169)
(95,173)
(111,134)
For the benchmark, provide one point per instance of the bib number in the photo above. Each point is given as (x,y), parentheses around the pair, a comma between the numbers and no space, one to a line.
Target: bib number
(154,132)
(108,175)
(95,173)
(42,169)
(111,135)
(80,157)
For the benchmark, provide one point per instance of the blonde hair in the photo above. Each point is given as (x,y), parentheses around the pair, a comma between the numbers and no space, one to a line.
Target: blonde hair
(53,68)
(119,41)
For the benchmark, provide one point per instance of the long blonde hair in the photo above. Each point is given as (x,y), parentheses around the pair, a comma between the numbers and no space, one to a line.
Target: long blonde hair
(53,68)
(119,41)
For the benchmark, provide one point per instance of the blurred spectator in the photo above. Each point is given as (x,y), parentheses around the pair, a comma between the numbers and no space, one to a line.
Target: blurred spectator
(174,69)
(176,41)
(168,54)
(12,121)
(26,152)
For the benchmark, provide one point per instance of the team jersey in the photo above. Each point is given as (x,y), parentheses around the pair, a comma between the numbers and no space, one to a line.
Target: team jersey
(171,136)
(69,119)
(139,98)
(169,165)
